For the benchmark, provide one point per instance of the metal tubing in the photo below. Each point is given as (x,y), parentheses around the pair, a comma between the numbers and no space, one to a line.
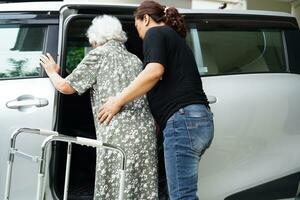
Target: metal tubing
(13,151)
(68,139)
(54,136)
(67,172)
(8,180)
(122,184)
(121,151)
(39,192)
(29,130)
(10,163)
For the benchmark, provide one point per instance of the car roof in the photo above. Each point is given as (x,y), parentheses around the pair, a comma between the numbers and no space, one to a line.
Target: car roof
(51,6)
(56,6)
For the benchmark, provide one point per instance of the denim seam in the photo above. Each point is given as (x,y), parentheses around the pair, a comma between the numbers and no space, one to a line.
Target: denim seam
(210,141)
(176,157)
(190,139)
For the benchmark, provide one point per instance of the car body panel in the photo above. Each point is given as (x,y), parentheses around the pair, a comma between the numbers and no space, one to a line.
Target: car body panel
(25,172)
(256,134)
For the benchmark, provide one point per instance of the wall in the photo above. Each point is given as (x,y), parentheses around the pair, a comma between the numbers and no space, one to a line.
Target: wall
(215,4)
(272,5)
(296,10)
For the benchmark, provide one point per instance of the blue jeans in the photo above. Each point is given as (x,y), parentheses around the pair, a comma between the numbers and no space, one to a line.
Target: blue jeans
(188,133)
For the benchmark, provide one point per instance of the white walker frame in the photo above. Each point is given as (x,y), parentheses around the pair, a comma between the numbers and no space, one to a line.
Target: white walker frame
(42,160)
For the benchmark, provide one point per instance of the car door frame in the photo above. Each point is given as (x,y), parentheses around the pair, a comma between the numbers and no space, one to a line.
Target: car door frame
(67,14)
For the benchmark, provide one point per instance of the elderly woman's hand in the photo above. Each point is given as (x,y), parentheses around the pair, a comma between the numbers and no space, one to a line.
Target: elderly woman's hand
(49,64)
(111,107)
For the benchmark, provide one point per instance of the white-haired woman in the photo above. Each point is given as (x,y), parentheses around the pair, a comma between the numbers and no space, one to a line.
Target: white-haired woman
(107,70)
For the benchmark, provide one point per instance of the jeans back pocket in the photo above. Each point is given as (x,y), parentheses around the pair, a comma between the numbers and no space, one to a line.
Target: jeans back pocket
(200,132)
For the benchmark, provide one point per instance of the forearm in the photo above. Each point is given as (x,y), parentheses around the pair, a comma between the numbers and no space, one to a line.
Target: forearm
(60,83)
(143,83)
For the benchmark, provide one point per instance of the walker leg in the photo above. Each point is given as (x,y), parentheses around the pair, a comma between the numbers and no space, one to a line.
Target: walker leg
(8,179)
(39,195)
(122,184)
(67,173)
(41,175)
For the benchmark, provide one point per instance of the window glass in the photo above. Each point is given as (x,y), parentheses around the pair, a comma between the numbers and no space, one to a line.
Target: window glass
(292,38)
(78,45)
(237,52)
(20,50)
(75,53)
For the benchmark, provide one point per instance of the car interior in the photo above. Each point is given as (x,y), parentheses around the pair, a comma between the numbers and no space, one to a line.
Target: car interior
(75,116)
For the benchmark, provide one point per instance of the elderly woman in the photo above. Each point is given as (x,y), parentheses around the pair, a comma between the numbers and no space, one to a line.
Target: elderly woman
(107,70)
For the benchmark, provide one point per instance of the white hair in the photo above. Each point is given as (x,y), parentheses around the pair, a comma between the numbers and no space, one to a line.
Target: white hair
(105,28)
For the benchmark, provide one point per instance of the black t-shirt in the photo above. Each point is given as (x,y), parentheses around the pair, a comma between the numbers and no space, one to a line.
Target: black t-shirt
(181,83)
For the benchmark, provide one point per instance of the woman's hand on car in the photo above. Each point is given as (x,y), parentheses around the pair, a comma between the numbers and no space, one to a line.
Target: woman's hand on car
(110,107)
(49,64)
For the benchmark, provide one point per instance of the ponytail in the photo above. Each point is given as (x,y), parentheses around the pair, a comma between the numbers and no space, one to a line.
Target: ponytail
(159,13)
(175,20)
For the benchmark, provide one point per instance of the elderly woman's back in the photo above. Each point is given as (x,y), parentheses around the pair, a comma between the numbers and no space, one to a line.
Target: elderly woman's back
(107,70)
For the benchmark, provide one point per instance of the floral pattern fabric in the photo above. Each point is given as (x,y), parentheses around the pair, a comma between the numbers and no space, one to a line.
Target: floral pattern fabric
(107,70)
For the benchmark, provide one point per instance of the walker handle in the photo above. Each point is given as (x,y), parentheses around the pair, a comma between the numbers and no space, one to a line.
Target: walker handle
(88,142)
(48,132)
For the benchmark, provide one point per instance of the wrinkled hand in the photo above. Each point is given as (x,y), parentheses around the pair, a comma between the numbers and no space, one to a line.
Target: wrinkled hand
(49,64)
(111,107)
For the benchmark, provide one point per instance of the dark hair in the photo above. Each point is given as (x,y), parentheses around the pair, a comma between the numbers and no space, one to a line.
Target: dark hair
(159,13)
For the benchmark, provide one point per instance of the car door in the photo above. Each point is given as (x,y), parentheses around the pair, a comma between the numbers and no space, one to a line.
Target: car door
(246,72)
(27,96)
(74,46)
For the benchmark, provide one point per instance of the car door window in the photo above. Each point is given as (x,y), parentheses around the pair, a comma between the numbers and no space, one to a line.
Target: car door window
(78,45)
(292,38)
(20,49)
(224,52)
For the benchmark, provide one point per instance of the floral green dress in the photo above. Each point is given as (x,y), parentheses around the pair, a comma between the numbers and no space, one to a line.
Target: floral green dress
(107,70)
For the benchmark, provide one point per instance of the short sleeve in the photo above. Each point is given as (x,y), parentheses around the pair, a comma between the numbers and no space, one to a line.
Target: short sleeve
(84,76)
(154,47)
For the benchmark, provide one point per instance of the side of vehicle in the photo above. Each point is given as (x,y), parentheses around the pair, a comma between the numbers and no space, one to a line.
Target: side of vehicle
(27,96)
(250,67)
(250,72)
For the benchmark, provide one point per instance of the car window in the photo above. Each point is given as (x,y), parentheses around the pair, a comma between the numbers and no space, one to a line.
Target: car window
(76,51)
(20,49)
(292,38)
(237,52)
(78,45)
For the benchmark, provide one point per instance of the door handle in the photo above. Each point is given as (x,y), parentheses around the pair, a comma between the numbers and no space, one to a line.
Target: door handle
(18,103)
(211,99)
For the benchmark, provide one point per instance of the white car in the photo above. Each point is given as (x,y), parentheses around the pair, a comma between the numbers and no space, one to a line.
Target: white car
(250,66)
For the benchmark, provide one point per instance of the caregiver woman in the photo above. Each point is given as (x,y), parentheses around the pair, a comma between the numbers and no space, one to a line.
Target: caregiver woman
(174,89)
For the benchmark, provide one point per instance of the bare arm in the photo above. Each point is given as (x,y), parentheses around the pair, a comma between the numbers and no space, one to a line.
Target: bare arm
(60,84)
(143,83)
(52,70)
